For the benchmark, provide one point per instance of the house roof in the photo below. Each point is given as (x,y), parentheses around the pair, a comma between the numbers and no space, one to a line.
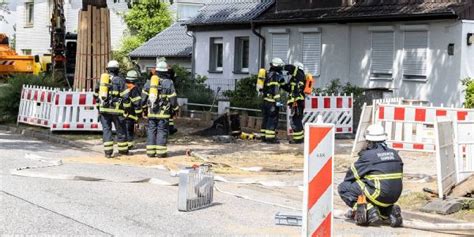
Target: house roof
(218,12)
(171,42)
(369,11)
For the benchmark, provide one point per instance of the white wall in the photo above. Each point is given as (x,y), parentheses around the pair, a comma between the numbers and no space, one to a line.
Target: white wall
(37,38)
(151,62)
(227,77)
(346,55)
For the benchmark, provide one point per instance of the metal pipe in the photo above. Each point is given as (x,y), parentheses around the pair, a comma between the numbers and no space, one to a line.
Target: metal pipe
(263,44)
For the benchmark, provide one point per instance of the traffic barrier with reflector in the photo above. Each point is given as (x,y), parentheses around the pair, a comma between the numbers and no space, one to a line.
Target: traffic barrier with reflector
(58,110)
(75,111)
(335,109)
(35,105)
(411,127)
(318,179)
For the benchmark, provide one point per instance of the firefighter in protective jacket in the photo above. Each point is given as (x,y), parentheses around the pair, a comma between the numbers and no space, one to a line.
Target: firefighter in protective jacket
(159,101)
(112,95)
(377,178)
(295,88)
(132,111)
(268,86)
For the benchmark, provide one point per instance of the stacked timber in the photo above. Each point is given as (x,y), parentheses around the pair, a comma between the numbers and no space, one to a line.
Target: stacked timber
(93,44)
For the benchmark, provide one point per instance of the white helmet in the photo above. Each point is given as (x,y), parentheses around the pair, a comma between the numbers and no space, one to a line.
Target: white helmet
(375,133)
(162,67)
(299,65)
(132,75)
(113,64)
(277,62)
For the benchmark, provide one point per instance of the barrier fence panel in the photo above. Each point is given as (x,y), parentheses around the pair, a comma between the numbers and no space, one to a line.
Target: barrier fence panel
(75,111)
(318,180)
(334,109)
(446,161)
(35,105)
(464,149)
(410,127)
(364,122)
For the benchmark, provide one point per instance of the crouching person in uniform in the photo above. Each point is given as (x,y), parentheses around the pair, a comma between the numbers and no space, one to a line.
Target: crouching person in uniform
(159,101)
(374,182)
(133,110)
(111,95)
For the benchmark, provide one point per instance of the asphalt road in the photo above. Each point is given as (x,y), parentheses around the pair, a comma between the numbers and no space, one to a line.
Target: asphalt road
(46,201)
(47,205)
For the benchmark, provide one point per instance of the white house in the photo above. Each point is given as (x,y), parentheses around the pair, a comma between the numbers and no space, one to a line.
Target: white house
(416,49)
(173,43)
(33,23)
(225,48)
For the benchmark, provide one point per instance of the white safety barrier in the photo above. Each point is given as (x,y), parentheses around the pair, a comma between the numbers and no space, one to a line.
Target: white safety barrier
(364,122)
(75,111)
(334,109)
(318,179)
(35,105)
(445,160)
(410,127)
(59,110)
(464,149)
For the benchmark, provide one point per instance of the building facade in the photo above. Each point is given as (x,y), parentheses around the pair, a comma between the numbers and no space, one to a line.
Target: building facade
(33,23)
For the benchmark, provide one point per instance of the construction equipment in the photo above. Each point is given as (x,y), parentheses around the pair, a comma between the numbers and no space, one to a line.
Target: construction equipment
(12,63)
(58,42)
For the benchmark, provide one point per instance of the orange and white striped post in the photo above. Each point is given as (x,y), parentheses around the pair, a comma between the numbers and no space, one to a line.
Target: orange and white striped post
(318,180)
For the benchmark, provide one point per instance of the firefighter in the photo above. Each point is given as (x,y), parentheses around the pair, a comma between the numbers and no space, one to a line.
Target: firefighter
(377,178)
(295,88)
(111,96)
(172,125)
(159,102)
(270,91)
(132,111)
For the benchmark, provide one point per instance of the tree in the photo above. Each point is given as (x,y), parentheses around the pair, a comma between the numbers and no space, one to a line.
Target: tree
(3,10)
(144,20)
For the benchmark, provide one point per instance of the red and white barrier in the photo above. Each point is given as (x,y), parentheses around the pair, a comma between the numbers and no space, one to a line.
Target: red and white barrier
(318,179)
(75,111)
(411,127)
(35,105)
(58,110)
(335,109)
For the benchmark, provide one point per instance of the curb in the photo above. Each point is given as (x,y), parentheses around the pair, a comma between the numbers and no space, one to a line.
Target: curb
(43,135)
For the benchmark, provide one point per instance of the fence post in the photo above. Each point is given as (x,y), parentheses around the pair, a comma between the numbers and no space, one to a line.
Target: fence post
(222,107)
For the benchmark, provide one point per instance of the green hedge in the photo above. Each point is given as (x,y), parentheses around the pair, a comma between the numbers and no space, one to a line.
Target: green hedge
(11,91)
(194,89)
(469,83)
(245,95)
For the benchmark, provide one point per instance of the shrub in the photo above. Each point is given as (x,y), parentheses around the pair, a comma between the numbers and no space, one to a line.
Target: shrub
(11,91)
(469,83)
(245,95)
(194,89)
(335,88)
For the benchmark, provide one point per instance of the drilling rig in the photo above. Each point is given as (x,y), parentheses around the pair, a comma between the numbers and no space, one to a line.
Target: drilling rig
(58,42)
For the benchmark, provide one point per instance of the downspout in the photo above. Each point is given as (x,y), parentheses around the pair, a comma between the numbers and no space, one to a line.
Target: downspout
(193,63)
(263,45)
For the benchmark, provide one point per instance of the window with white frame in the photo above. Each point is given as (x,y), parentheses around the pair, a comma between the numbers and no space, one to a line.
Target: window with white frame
(311,52)
(280,45)
(382,55)
(241,63)
(29,13)
(415,55)
(187,11)
(216,55)
(26,51)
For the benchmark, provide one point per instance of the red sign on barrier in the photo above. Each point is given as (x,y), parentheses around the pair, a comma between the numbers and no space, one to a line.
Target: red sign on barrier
(318,180)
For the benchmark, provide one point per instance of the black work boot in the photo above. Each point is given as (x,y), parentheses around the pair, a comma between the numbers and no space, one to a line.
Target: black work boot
(173,130)
(164,155)
(373,217)
(108,155)
(396,216)
(360,215)
(296,141)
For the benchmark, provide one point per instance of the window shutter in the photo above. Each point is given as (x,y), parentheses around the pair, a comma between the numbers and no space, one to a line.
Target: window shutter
(280,46)
(415,53)
(311,52)
(382,52)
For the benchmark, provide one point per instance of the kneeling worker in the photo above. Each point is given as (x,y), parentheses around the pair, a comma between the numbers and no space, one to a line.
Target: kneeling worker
(374,182)
(159,102)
